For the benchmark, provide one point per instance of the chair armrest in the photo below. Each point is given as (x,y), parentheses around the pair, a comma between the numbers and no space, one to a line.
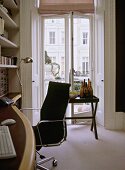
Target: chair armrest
(30,109)
(48,121)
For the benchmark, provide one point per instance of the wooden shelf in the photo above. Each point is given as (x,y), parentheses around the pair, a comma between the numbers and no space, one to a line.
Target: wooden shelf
(9,23)
(10,4)
(7,43)
(9,47)
(8,66)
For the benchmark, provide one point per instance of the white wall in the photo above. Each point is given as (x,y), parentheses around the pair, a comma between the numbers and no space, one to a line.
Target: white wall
(25,51)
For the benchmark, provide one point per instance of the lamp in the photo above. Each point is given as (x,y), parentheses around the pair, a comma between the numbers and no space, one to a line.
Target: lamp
(27,60)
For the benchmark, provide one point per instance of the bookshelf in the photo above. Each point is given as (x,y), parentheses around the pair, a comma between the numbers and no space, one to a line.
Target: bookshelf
(9,48)
(4,42)
(11,4)
(9,23)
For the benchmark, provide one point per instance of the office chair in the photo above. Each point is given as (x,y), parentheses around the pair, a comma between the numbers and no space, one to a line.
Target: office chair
(51,130)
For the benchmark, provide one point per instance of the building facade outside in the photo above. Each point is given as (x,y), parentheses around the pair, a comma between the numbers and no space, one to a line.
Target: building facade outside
(54,45)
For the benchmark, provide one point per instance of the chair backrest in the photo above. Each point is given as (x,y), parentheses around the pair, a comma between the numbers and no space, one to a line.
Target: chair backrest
(56,101)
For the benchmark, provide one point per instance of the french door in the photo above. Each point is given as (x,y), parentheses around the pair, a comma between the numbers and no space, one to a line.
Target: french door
(67,53)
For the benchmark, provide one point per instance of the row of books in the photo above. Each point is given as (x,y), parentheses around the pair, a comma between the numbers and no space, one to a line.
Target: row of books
(8,60)
(1,26)
(3,81)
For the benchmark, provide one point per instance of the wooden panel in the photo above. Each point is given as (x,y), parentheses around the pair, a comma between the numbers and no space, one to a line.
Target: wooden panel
(120,56)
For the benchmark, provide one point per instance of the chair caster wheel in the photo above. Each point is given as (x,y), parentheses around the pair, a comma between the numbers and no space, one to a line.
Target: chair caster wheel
(54,162)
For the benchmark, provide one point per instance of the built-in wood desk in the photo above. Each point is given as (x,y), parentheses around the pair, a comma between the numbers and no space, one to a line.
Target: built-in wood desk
(23,139)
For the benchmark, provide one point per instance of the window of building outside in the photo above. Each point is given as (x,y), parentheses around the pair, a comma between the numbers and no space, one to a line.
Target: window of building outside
(53,59)
(85,38)
(62,37)
(52,37)
(85,66)
(56,50)
(62,67)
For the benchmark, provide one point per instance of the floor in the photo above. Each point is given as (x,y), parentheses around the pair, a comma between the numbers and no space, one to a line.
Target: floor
(81,151)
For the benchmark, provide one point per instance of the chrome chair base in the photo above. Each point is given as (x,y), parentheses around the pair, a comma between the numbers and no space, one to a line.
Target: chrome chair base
(39,166)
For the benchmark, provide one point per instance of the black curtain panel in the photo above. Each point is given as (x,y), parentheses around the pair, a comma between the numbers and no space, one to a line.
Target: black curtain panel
(120,56)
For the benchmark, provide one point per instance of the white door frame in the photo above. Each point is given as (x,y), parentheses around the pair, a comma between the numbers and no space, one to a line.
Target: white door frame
(99,58)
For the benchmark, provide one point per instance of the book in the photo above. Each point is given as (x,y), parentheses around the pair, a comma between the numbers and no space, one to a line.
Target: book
(1,26)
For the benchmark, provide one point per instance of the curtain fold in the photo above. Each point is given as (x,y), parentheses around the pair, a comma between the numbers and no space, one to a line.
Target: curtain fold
(65,6)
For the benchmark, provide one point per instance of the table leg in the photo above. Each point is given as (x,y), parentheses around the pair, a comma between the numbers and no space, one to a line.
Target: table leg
(94,120)
(72,113)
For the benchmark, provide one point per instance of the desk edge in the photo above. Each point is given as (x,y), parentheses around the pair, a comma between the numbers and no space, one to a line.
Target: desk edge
(17,97)
(28,160)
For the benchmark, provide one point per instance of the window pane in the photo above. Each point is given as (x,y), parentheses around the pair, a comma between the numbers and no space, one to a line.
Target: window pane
(81,50)
(81,58)
(54,47)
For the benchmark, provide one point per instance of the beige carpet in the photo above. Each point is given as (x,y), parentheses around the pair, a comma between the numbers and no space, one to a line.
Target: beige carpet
(82,151)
